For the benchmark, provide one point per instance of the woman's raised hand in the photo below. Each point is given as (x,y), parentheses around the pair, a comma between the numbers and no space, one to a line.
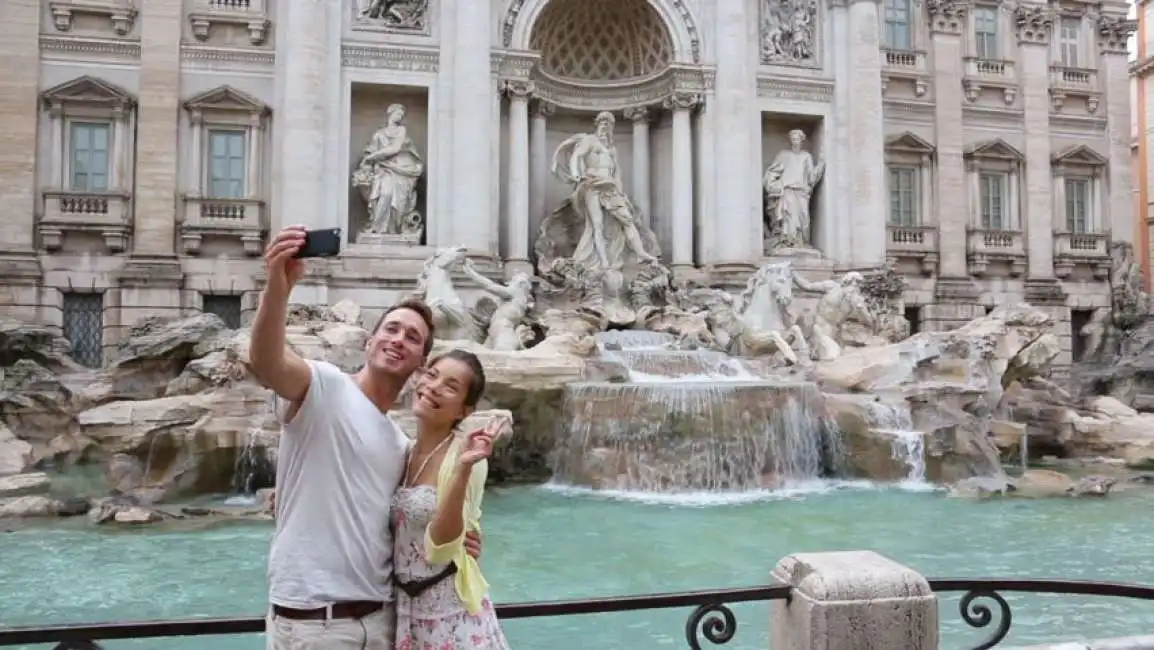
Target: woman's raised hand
(479,444)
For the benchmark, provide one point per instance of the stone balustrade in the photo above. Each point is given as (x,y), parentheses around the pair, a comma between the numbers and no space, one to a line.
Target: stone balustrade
(242,219)
(986,245)
(105,213)
(249,14)
(1090,249)
(919,243)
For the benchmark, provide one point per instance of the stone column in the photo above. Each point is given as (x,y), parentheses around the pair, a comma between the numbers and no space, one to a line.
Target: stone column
(735,245)
(56,114)
(947,21)
(839,597)
(538,164)
(119,135)
(639,115)
(1034,25)
(838,242)
(472,141)
(1113,32)
(255,135)
(157,183)
(195,155)
(518,185)
(19,113)
(302,115)
(866,137)
(681,104)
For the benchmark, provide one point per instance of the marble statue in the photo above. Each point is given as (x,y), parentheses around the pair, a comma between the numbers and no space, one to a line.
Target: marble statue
(609,228)
(766,304)
(452,320)
(400,15)
(732,333)
(842,302)
(788,29)
(789,183)
(503,320)
(1130,301)
(387,177)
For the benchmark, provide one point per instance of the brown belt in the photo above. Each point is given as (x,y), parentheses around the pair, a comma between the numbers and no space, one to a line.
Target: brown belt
(356,610)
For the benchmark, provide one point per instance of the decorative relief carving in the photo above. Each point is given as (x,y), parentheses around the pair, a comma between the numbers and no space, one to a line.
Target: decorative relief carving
(637,113)
(72,48)
(789,32)
(543,109)
(1113,32)
(398,16)
(400,59)
(122,13)
(1034,22)
(947,16)
(203,57)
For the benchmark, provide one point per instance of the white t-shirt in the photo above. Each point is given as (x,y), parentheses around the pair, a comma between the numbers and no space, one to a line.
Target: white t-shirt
(339,461)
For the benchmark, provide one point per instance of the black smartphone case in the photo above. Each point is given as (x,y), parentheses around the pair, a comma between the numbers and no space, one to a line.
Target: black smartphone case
(321,243)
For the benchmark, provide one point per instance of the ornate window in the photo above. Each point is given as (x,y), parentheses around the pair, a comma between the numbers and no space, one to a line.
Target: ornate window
(909,161)
(994,170)
(898,24)
(1069,41)
(227,131)
(986,33)
(994,173)
(92,131)
(1078,179)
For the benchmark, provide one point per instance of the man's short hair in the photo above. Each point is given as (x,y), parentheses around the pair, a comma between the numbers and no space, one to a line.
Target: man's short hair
(421,310)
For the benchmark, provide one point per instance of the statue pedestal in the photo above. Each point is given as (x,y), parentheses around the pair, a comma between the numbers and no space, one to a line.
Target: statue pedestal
(382,239)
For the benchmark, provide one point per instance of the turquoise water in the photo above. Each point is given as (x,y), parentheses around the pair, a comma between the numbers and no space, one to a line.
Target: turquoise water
(544,544)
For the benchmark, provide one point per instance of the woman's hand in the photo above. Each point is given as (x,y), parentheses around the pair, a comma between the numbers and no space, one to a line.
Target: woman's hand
(479,444)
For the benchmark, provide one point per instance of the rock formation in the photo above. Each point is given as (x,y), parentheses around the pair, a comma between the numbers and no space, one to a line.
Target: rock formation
(177,412)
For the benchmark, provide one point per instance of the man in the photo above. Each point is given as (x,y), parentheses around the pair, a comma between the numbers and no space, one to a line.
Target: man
(340,459)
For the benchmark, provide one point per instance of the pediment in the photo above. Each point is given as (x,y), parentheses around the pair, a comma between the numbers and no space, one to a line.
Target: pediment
(226,98)
(1079,154)
(996,148)
(88,90)
(910,142)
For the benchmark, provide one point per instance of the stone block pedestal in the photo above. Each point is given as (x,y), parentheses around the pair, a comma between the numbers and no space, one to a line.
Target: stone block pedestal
(853,600)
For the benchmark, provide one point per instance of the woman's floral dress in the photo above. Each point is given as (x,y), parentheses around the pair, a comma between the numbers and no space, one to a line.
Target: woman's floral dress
(437,619)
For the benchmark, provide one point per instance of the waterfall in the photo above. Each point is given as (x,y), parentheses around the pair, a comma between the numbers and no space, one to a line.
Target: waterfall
(907,446)
(689,421)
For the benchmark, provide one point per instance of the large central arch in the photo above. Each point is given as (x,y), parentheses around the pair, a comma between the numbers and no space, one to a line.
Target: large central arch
(521,17)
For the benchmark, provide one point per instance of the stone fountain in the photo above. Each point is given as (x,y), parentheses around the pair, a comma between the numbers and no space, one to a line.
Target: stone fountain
(621,374)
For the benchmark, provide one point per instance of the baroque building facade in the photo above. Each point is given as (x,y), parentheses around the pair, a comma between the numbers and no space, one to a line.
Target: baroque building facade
(980,147)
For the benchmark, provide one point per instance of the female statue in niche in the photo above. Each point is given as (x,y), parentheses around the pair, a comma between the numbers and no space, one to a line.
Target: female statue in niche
(387,177)
(789,184)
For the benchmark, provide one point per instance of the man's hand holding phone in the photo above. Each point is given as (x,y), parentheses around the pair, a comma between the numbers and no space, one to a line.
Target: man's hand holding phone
(284,268)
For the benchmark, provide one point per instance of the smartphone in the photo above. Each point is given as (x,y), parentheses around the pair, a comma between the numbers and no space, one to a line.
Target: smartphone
(321,243)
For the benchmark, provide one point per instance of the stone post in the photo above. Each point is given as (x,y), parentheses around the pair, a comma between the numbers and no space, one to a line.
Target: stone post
(640,190)
(518,182)
(682,214)
(1113,32)
(852,600)
(866,136)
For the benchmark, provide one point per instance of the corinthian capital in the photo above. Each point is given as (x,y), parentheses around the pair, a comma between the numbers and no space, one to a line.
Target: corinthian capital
(519,89)
(1034,23)
(681,101)
(947,16)
(1113,32)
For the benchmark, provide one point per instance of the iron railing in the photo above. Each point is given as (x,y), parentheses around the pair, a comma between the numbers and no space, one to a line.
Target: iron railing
(711,620)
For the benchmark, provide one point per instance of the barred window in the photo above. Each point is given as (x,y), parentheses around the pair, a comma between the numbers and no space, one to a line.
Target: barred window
(84,327)
(225,307)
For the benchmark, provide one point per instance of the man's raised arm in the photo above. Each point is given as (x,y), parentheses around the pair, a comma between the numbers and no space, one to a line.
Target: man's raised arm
(272,362)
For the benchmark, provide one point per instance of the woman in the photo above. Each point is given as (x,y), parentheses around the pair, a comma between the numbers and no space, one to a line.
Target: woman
(442,599)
